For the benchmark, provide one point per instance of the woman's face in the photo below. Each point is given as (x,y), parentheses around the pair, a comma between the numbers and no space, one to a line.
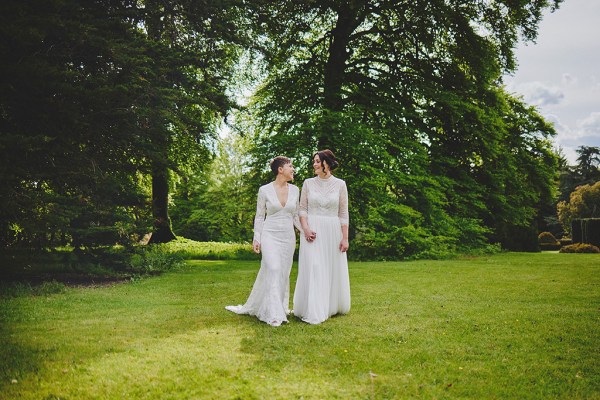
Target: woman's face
(287,170)
(318,165)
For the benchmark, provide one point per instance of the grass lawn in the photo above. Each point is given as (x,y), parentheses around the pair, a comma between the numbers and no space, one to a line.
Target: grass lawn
(508,326)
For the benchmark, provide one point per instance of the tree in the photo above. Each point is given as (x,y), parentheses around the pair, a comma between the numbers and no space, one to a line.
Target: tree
(71,74)
(588,163)
(584,202)
(409,96)
(96,95)
(217,204)
(191,72)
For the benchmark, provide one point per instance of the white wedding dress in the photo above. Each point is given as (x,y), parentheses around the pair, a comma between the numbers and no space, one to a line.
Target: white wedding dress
(274,230)
(323,285)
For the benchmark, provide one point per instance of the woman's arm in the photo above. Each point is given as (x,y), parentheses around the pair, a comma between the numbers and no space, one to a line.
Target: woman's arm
(259,219)
(309,234)
(344,217)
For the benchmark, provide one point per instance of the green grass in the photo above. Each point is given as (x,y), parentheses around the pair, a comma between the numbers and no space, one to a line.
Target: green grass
(507,326)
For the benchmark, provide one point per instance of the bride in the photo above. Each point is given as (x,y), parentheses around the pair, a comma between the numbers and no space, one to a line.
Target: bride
(323,285)
(276,216)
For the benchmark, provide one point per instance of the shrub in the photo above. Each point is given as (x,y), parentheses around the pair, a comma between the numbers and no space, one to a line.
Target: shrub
(580,248)
(547,238)
(190,249)
(155,258)
(547,241)
(583,203)
(566,241)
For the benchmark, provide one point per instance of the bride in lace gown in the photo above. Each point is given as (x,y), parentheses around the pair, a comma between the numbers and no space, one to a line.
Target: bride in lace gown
(276,216)
(323,285)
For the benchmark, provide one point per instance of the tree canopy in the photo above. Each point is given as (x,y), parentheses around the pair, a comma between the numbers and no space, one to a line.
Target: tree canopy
(97,95)
(104,103)
(409,95)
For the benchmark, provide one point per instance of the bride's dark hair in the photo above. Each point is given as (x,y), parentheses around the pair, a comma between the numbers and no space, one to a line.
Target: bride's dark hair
(328,157)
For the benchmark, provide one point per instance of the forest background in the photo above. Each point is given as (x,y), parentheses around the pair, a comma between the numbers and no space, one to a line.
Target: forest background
(113,113)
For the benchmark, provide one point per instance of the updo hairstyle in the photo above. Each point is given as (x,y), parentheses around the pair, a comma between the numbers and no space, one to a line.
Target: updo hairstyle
(328,157)
(277,162)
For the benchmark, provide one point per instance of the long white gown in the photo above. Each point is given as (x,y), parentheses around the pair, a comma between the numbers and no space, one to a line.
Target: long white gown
(274,229)
(323,285)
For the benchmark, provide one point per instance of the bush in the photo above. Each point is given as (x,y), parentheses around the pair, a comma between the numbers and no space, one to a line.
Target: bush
(190,249)
(547,241)
(580,248)
(547,238)
(583,203)
(155,258)
(566,241)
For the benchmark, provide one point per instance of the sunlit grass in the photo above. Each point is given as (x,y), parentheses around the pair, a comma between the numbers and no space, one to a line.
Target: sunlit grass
(191,249)
(504,326)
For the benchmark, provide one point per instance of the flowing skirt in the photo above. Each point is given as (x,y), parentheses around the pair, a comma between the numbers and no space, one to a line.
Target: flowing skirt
(323,285)
(270,296)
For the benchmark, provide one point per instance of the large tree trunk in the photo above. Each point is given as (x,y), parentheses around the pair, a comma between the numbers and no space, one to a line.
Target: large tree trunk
(350,16)
(160,206)
(160,172)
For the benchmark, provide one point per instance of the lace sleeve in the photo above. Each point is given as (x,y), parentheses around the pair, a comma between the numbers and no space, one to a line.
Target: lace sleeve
(343,207)
(296,210)
(259,219)
(303,206)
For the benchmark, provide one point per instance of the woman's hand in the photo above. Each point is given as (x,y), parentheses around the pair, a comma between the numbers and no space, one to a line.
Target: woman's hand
(344,245)
(256,246)
(310,235)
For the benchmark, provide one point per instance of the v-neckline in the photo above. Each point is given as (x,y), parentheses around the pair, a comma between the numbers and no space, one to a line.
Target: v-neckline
(277,197)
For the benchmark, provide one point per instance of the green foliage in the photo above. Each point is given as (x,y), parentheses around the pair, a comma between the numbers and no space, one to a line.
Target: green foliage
(217,204)
(584,202)
(95,97)
(155,258)
(588,164)
(435,153)
(68,160)
(547,241)
(580,248)
(100,96)
(547,238)
(193,250)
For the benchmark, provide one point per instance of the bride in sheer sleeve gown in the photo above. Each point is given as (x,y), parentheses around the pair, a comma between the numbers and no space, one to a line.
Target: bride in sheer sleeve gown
(274,236)
(323,284)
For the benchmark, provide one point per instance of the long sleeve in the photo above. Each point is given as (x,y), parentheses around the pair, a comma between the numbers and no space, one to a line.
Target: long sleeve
(343,205)
(261,210)
(303,206)
(296,215)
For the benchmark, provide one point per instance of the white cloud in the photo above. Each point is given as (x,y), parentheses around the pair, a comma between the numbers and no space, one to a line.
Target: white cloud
(586,132)
(558,125)
(559,74)
(590,126)
(540,94)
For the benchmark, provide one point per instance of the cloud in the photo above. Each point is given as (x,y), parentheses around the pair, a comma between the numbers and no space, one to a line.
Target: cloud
(540,94)
(558,125)
(568,79)
(590,126)
(586,132)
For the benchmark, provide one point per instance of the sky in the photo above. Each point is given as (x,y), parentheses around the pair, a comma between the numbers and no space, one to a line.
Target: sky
(560,74)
